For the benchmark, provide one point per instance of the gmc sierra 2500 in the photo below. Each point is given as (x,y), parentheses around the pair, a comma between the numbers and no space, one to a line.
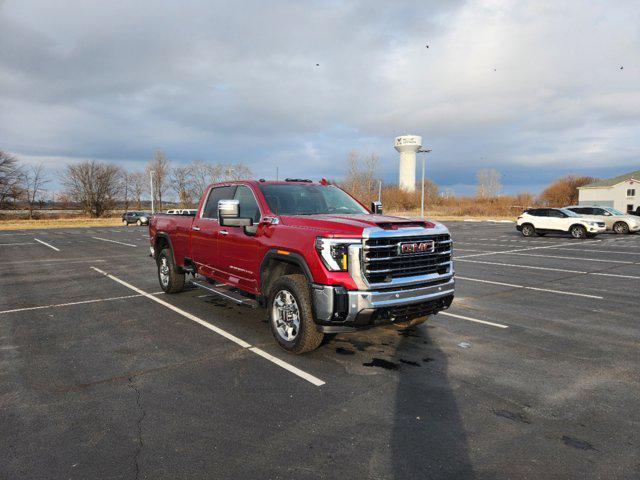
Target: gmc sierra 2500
(312,254)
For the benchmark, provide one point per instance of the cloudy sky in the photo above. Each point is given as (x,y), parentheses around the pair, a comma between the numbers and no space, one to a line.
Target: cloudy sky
(533,89)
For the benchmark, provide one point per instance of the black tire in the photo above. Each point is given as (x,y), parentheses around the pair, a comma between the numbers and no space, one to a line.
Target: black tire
(621,228)
(125,223)
(528,230)
(307,337)
(578,231)
(171,280)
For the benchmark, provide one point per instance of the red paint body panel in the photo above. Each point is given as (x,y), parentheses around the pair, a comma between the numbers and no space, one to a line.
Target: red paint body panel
(236,258)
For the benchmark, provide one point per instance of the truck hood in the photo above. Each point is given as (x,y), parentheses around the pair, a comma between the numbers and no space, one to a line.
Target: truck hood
(351,225)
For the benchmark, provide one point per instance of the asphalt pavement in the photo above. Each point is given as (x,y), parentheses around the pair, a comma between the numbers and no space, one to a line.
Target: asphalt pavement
(533,372)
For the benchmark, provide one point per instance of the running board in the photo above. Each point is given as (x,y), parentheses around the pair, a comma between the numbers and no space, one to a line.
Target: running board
(227,293)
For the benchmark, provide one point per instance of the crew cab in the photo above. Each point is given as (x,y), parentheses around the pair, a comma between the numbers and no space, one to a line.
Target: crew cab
(315,257)
(540,221)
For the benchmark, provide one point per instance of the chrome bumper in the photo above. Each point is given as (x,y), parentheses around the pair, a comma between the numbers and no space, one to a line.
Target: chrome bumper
(358,301)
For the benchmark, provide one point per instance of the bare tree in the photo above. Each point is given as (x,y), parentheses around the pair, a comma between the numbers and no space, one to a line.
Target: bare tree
(138,181)
(489,185)
(159,169)
(34,178)
(11,178)
(237,171)
(202,175)
(180,181)
(125,188)
(94,185)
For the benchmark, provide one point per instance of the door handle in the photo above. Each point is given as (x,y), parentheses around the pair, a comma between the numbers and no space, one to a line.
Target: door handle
(224,232)
(197,229)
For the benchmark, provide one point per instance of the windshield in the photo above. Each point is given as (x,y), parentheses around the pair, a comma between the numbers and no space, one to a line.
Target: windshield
(615,211)
(569,213)
(296,199)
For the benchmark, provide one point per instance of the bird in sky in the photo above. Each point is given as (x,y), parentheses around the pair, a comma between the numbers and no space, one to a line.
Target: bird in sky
(427,46)
(317,64)
(622,67)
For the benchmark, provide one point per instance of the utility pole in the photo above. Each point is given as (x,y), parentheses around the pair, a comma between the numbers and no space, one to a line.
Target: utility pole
(380,190)
(277,173)
(423,150)
(151,173)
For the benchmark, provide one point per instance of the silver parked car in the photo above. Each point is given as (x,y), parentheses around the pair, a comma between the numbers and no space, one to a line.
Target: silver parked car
(615,220)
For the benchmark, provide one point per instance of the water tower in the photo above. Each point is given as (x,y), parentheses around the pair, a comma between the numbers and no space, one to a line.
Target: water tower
(408,146)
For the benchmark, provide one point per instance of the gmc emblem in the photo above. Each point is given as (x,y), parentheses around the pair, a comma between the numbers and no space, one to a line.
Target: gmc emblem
(409,248)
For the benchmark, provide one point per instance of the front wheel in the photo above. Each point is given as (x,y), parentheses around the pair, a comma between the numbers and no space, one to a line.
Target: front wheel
(170,278)
(291,315)
(578,231)
(621,228)
(528,230)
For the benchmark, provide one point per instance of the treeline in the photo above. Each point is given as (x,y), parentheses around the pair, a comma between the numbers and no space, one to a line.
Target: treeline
(98,187)
(363,182)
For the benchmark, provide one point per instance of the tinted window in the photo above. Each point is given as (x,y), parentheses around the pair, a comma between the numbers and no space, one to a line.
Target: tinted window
(217,194)
(537,212)
(583,210)
(599,211)
(248,205)
(556,213)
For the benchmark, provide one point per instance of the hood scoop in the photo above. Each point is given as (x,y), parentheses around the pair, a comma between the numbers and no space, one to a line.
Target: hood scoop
(397,225)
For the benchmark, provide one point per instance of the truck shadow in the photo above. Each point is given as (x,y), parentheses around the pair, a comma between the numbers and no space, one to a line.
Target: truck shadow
(428,437)
(424,428)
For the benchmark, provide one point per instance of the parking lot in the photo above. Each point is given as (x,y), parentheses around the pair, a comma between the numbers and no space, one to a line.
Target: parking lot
(533,372)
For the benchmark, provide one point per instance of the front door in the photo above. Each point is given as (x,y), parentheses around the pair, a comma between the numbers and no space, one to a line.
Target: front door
(238,246)
(205,229)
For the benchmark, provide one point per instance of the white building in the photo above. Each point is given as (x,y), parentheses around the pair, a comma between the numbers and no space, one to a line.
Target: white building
(622,192)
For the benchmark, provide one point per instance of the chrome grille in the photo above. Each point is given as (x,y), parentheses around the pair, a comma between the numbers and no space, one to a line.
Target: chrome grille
(383,262)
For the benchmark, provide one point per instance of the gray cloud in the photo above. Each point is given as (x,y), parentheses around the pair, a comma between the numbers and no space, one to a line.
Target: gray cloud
(531,88)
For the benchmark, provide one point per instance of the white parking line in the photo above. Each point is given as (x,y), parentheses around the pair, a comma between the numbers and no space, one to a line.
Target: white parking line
(276,361)
(559,292)
(475,320)
(20,243)
(509,251)
(68,304)
(550,269)
(626,262)
(114,241)
(46,244)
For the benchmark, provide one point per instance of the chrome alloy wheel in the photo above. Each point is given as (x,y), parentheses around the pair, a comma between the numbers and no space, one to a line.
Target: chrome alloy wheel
(163,269)
(285,315)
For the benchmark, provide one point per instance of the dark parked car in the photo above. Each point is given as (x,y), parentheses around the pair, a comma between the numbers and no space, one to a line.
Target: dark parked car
(139,218)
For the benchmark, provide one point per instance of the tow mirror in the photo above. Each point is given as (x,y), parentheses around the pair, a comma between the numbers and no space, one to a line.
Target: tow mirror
(229,214)
(376,207)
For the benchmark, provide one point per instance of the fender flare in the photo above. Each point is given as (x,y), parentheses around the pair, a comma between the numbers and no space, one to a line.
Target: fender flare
(291,257)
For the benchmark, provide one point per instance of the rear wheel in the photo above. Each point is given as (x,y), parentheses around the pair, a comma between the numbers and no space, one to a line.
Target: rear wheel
(170,278)
(621,228)
(528,230)
(578,231)
(291,315)
(125,223)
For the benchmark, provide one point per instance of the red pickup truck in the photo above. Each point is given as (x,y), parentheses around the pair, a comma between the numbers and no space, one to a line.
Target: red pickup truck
(309,252)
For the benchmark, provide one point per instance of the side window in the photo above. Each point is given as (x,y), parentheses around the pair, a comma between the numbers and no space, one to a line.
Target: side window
(217,194)
(248,205)
(556,213)
(539,212)
(598,211)
(584,211)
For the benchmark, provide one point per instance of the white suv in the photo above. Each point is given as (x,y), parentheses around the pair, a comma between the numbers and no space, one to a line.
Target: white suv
(540,221)
(614,219)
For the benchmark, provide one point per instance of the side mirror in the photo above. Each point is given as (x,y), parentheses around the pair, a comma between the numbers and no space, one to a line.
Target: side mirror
(376,207)
(229,214)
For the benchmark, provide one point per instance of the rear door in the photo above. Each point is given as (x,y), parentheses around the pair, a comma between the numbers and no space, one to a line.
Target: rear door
(238,246)
(205,229)
(556,220)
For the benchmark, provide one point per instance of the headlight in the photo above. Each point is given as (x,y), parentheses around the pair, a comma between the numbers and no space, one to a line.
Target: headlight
(334,252)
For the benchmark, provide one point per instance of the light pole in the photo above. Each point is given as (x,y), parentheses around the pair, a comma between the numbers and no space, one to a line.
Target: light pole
(151,173)
(422,150)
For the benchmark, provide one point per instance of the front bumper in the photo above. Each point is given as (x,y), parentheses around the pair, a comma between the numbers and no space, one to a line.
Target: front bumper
(596,229)
(339,310)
